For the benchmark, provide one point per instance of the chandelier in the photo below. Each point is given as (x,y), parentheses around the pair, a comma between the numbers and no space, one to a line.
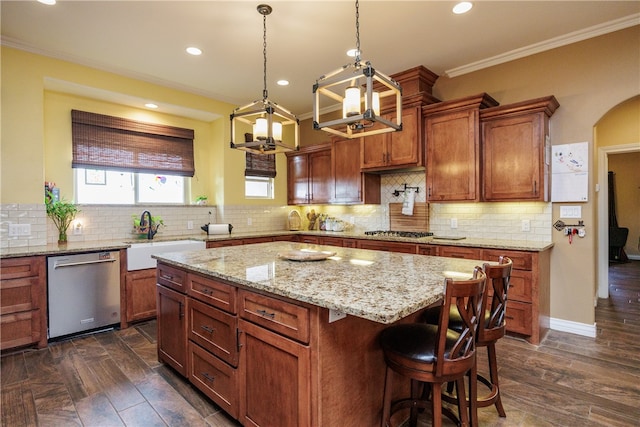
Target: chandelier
(267,119)
(360,113)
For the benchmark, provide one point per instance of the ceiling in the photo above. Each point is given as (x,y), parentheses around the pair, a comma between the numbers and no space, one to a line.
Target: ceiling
(305,39)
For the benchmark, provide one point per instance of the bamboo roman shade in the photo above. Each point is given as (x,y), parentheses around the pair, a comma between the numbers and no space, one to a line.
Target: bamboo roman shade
(259,164)
(114,143)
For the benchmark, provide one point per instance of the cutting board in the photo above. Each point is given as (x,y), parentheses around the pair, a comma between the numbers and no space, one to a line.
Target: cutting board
(419,221)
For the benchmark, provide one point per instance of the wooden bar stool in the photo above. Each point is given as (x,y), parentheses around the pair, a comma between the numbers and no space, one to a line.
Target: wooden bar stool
(432,355)
(490,331)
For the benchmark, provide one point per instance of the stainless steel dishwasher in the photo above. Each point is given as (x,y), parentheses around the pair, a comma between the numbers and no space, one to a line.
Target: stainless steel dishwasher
(83,291)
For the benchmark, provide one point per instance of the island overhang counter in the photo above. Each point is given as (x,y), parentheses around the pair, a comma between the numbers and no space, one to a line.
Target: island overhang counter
(254,330)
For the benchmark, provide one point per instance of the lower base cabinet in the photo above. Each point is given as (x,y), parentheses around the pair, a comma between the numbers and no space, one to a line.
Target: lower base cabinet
(140,294)
(172,329)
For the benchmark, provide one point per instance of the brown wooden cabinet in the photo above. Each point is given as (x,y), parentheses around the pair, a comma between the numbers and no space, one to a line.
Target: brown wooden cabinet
(516,150)
(172,328)
(309,175)
(350,185)
(379,245)
(393,150)
(23,302)
(453,148)
(140,295)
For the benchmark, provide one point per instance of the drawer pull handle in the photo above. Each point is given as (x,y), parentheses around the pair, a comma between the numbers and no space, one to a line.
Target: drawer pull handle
(264,313)
(206,291)
(166,276)
(207,328)
(208,377)
(509,317)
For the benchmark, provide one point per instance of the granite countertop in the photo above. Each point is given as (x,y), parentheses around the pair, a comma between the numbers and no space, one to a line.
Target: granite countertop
(376,285)
(105,245)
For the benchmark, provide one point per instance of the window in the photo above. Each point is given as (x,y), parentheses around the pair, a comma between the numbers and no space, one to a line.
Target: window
(95,186)
(258,187)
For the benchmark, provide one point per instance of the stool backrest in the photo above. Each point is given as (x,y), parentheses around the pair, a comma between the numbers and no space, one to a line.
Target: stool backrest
(465,297)
(495,301)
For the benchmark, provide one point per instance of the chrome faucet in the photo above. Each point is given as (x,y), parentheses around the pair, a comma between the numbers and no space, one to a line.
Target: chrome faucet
(151,231)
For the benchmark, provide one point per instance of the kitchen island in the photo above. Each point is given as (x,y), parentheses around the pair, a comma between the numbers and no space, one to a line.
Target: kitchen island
(266,337)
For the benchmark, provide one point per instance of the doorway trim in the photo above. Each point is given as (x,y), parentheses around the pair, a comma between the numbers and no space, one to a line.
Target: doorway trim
(603,212)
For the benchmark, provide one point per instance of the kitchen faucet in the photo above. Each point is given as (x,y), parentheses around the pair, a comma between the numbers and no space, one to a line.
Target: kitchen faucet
(151,231)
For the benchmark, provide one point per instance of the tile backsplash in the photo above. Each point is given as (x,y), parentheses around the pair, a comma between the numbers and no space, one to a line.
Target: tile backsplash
(110,222)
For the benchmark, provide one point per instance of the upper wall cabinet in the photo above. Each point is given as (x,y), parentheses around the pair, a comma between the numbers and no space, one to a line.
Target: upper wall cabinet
(350,184)
(452,133)
(516,153)
(309,175)
(402,149)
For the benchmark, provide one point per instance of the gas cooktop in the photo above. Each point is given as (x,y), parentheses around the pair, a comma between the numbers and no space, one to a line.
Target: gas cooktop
(391,233)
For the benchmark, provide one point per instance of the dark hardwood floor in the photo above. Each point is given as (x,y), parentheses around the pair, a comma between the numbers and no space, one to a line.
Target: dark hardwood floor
(114,378)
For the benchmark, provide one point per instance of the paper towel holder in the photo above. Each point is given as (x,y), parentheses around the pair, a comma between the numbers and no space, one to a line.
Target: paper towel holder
(397,192)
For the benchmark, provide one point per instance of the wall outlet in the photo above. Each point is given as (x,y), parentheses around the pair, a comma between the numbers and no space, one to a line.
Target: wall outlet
(454,222)
(189,225)
(17,230)
(249,222)
(526,225)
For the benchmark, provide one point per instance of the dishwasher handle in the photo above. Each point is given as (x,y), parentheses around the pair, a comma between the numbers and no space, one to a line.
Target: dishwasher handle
(72,264)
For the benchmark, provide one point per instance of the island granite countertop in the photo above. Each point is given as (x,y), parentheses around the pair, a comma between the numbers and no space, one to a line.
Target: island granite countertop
(375,285)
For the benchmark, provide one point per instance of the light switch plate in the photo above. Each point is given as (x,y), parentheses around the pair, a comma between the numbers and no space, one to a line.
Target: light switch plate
(570,211)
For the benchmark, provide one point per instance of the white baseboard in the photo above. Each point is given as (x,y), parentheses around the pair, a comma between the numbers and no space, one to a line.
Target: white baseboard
(634,257)
(573,327)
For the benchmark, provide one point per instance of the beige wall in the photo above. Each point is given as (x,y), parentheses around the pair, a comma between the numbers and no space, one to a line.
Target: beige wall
(588,78)
(627,170)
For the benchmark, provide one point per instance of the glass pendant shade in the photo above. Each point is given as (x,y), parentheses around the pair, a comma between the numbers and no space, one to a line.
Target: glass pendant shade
(351,102)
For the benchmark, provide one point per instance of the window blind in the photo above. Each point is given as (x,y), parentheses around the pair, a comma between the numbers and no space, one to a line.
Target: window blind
(115,143)
(259,164)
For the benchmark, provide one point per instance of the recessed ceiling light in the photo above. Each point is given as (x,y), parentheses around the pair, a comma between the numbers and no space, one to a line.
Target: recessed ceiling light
(194,51)
(462,7)
(47,2)
(151,105)
(352,52)
(283,82)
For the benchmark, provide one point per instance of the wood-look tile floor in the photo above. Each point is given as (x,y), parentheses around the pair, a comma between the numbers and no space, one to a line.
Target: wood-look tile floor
(114,378)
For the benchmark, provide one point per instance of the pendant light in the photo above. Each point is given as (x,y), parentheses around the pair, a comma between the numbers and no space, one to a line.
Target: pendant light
(266,118)
(345,85)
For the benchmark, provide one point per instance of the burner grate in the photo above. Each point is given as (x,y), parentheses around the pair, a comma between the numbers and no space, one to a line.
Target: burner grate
(391,233)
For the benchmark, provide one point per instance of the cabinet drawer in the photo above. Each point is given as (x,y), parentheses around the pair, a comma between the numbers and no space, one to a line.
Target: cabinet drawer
(520,286)
(427,250)
(172,277)
(521,260)
(20,329)
(214,330)
(310,239)
(214,378)
(519,317)
(407,248)
(212,292)
(21,294)
(459,252)
(279,316)
(14,268)
(331,241)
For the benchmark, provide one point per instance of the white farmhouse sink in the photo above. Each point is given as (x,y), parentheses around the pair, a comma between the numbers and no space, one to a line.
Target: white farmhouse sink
(139,254)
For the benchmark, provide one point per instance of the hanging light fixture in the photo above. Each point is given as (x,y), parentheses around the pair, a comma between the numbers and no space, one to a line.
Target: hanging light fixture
(266,117)
(344,85)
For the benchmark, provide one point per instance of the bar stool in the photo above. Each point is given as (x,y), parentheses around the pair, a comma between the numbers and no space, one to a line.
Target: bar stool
(490,331)
(432,355)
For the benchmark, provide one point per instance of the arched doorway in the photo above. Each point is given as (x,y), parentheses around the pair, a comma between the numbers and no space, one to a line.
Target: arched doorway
(617,132)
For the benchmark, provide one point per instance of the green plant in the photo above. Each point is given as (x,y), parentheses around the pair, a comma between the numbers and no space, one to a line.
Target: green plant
(201,200)
(156,222)
(61,213)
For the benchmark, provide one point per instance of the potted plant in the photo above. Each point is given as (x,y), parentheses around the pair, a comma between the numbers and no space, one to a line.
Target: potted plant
(61,213)
(201,200)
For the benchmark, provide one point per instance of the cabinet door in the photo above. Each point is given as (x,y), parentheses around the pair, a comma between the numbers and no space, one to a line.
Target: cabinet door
(403,147)
(140,292)
(347,178)
(172,329)
(452,156)
(515,167)
(275,385)
(373,151)
(297,179)
(320,182)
